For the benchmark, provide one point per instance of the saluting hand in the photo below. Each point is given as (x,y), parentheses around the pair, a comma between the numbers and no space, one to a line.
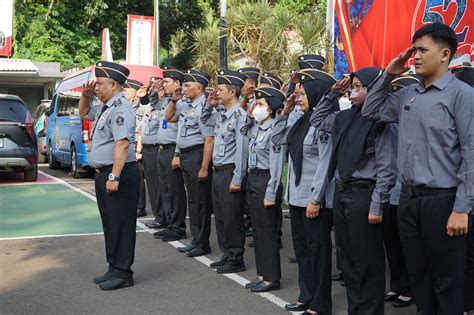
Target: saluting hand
(88,88)
(341,86)
(142,91)
(375,219)
(397,65)
(212,98)
(312,210)
(457,224)
(290,104)
(294,77)
(249,92)
(112,186)
(177,94)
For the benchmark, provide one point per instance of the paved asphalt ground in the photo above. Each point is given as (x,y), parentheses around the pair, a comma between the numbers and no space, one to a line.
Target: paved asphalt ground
(51,248)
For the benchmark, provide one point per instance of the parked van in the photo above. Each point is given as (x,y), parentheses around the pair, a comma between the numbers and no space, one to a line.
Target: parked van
(67,135)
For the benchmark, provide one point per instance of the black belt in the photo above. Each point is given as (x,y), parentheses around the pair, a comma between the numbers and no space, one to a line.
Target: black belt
(257,171)
(358,183)
(223,167)
(148,145)
(189,149)
(108,168)
(413,191)
(167,146)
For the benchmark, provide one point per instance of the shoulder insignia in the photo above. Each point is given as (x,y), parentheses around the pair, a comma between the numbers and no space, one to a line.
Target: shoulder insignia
(324,137)
(277,148)
(119,120)
(117,103)
(238,114)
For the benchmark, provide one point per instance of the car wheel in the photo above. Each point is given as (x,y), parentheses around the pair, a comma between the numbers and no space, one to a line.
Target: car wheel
(74,167)
(51,162)
(31,174)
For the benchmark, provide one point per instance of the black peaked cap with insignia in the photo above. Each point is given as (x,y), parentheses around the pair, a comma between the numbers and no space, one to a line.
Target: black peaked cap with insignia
(250,72)
(275,98)
(192,75)
(465,74)
(311,62)
(236,78)
(132,84)
(270,78)
(307,75)
(175,74)
(404,81)
(106,69)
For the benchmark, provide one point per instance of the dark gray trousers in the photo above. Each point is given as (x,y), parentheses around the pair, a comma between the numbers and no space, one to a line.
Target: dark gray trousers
(150,163)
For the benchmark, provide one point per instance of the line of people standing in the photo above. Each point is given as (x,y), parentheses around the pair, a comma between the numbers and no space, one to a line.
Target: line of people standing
(394,170)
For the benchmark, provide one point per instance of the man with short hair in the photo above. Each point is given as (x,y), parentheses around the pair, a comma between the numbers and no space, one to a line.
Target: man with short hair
(435,164)
(230,163)
(194,145)
(117,176)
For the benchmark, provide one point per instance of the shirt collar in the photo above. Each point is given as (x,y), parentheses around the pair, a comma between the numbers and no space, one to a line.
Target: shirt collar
(440,83)
(110,102)
(232,110)
(198,100)
(266,124)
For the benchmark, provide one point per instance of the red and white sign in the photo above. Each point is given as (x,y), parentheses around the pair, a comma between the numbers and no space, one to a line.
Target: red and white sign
(6,27)
(140,36)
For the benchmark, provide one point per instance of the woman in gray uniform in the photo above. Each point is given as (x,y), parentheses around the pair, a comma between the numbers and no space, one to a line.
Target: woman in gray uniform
(311,218)
(264,190)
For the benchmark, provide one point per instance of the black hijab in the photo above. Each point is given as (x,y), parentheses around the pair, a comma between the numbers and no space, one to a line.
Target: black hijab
(353,133)
(315,90)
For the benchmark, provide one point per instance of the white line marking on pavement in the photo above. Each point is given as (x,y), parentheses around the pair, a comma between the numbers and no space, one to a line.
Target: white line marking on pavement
(203,259)
(50,236)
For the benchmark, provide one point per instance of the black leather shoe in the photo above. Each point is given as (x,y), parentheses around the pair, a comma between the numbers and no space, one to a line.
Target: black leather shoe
(141,212)
(103,278)
(173,236)
(292,260)
(198,252)
(250,285)
(390,297)
(161,233)
(155,225)
(186,249)
(337,277)
(231,268)
(263,287)
(116,283)
(218,263)
(401,303)
(296,307)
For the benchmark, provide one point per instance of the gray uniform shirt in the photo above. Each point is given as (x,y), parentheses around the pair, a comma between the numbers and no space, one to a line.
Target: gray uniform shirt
(230,146)
(150,126)
(168,131)
(316,157)
(116,123)
(263,155)
(191,131)
(436,139)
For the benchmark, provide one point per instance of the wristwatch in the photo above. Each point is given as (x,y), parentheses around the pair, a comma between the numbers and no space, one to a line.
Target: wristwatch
(314,202)
(112,177)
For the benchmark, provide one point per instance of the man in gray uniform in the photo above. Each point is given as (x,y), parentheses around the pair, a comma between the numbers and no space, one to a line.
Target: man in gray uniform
(435,164)
(171,180)
(117,176)
(194,142)
(230,161)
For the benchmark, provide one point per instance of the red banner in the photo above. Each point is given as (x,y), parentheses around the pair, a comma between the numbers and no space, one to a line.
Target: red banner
(373,32)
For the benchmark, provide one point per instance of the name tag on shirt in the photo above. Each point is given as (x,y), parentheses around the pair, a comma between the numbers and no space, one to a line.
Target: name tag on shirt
(147,130)
(221,150)
(253,160)
(184,132)
(164,125)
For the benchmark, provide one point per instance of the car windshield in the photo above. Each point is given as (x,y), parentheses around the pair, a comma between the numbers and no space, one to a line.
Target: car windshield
(12,110)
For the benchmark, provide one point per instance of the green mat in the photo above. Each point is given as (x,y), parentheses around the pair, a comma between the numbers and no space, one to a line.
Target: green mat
(54,209)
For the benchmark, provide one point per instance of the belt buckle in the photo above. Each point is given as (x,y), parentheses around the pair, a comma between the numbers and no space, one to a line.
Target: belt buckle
(161,147)
(97,171)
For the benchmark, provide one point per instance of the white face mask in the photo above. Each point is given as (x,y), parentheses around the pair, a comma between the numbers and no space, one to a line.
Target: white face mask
(260,113)
(345,103)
